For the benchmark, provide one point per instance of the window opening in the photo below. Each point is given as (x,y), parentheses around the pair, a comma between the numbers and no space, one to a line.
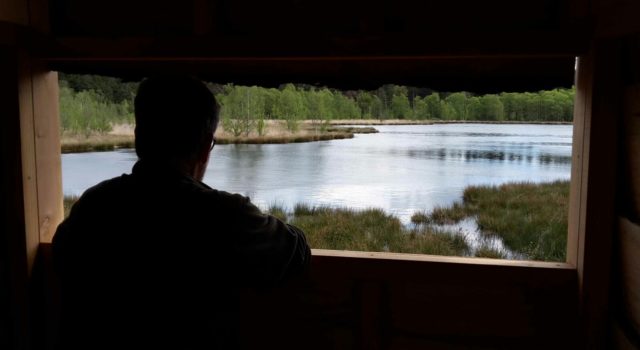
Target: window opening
(396,169)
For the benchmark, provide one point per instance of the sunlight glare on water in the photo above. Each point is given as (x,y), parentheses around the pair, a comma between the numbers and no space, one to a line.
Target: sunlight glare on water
(401,169)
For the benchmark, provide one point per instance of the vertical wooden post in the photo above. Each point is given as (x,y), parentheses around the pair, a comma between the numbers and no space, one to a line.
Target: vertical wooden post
(580,152)
(30,183)
(41,165)
(46,123)
(592,221)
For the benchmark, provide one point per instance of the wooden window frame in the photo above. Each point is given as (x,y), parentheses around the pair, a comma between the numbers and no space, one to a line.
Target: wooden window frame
(42,178)
(42,189)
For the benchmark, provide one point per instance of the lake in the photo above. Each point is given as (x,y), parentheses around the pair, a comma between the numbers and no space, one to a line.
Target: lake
(401,169)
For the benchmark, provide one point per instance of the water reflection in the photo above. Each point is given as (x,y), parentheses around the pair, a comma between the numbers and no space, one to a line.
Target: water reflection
(489,155)
(401,169)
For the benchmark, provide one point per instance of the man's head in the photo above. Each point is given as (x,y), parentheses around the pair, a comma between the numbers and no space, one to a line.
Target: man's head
(175,120)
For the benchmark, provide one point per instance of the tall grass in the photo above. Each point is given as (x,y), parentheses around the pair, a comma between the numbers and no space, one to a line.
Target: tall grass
(530,218)
(371,230)
(67,203)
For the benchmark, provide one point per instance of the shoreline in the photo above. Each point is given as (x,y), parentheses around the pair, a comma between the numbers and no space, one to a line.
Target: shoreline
(435,122)
(122,136)
(126,139)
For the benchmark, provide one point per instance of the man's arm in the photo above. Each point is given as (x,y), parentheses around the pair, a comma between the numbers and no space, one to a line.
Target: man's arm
(268,250)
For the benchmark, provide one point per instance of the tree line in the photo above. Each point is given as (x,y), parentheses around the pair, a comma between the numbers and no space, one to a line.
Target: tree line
(89,102)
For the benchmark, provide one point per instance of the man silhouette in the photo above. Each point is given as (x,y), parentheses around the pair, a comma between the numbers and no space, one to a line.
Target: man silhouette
(152,259)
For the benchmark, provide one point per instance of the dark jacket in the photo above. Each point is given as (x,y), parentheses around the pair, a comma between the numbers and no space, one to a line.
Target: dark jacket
(154,259)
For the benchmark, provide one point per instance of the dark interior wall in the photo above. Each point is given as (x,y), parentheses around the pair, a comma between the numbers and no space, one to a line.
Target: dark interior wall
(625,296)
(354,44)
(13,260)
(331,18)
(386,30)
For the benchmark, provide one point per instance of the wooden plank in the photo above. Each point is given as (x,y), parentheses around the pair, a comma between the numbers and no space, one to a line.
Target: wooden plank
(428,304)
(29,163)
(47,149)
(350,302)
(580,159)
(382,256)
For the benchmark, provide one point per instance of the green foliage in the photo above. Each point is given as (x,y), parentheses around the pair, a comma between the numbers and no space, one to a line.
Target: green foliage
(487,107)
(434,107)
(400,107)
(93,103)
(242,106)
(87,112)
(459,104)
(111,89)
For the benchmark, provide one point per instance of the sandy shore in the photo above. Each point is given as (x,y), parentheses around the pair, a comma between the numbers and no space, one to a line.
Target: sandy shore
(122,136)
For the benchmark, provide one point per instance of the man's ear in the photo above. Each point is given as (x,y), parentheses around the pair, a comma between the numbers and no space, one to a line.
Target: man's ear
(206,148)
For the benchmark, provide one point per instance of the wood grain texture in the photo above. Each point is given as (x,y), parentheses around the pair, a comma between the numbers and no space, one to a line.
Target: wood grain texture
(47,149)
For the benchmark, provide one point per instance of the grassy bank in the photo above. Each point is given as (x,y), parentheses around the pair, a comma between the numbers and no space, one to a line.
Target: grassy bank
(371,230)
(67,203)
(275,133)
(94,143)
(531,219)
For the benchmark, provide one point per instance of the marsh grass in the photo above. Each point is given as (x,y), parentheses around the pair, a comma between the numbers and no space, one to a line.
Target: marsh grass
(488,252)
(440,215)
(280,139)
(353,130)
(278,211)
(531,219)
(420,217)
(67,203)
(95,143)
(371,230)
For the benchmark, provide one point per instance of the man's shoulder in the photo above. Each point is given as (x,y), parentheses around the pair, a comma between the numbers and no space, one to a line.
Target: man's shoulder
(106,188)
(227,200)
(188,192)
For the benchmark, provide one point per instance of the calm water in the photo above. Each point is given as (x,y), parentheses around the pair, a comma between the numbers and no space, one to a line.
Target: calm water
(402,169)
